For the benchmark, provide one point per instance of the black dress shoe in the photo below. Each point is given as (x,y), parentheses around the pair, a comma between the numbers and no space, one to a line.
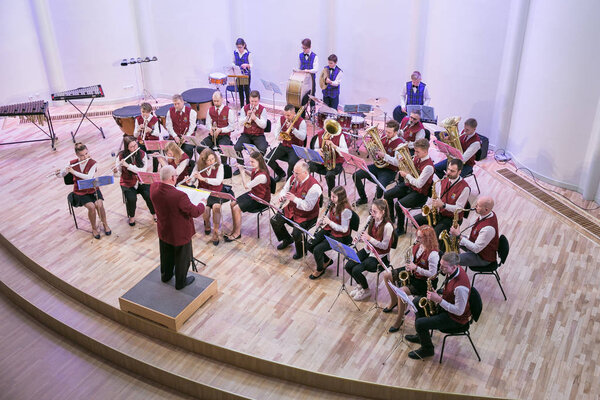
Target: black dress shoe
(284,244)
(361,201)
(390,309)
(229,238)
(317,276)
(236,172)
(216,242)
(279,178)
(188,281)
(207,232)
(421,353)
(97,236)
(297,256)
(413,338)
(107,233)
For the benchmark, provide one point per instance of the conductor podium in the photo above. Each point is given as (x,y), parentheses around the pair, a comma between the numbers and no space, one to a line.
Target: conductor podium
(161,303)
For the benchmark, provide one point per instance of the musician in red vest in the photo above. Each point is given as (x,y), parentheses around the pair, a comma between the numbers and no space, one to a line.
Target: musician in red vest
(452,193)
(175,227)
(284,150)
(412,191)
(454,311)
(414,92)
(83,168)
(176,158)
(482,244)
(300,197)
(146,129)
(129,162)
(181,121)
(470,142)
(339,144)
(379,233)
(423,266)
(386,174)
(219,121)
(254,118)
(412,129)
(259,185)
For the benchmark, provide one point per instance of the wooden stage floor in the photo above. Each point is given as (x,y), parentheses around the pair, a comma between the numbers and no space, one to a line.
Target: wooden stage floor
(541,343)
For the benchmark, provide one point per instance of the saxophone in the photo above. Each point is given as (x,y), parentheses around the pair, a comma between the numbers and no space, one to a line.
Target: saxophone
(429,306)
(373,144)
(332,128)
(287,134)
(405,161)
(451,242)
(430,211)
(404,276)
(451,137)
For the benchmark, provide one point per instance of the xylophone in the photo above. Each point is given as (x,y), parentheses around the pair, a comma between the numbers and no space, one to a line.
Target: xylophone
(88,92)
(35,112)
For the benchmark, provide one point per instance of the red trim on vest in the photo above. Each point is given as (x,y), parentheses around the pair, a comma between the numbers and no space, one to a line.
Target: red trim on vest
(452,195)
(390,147)
(422,261)
(186,170)
(294,139)
(411,133)
(77,168)
(489,252)
(128,178)
(335,140)
(460,280)
(254,129)
(181,121)
(263,190)
(292,211)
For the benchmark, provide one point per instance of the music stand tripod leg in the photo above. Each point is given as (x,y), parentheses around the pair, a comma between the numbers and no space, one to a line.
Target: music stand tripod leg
(398,343)
(343,289)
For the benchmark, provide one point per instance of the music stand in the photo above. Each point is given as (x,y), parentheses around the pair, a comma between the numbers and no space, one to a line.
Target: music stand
(359,163)
(308,154)
(427,113)
(301,229)
(95,183)
(404,297)
(447,150)
(148,178)
(407,214)
(271,207)
(348,253)
(272,86)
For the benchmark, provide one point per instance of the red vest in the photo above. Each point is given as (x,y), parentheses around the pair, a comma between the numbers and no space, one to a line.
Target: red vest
(210,173)
(410,133)
(422,261)
(335,140)
(262,191)
(420,165)
(77,168)
(374,233)
(460,280)
(222,120)
(464,143)
(149,136)
(128,178)
(489,252)
(186,170)
(300,190)
(390,147)
(294,139)
(181,121)
(338,220)
(254,129)
(450,196)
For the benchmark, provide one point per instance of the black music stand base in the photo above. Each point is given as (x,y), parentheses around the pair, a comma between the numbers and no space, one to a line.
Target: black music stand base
(194,261)
(398,343)
(343,289)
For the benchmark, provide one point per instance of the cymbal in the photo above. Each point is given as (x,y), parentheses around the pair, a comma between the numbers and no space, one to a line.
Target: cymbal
(375,112)
(377,101)
(326,109)
(316,100)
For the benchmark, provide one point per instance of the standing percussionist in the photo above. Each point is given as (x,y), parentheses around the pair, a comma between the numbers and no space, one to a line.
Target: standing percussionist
(339,144)
(470,142)
(241,58)
(482,244)
(385,174)
(145,129)
(309,62)
(181,121)
(254,118)
(285,151)
(219,122)
(301,192)
(412,129)
(333,73)
(454,312)
(175,227)
(414,92)
(452,194)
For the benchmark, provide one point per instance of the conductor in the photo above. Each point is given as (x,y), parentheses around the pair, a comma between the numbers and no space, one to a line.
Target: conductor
(175,215)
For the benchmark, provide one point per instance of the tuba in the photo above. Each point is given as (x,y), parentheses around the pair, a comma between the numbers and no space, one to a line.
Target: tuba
(287,134)
(405,161)
(373,144)
(332,128)
(451,137)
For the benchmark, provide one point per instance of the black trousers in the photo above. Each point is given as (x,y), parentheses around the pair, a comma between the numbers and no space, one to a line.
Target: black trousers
(175,258)
(244,90)
(131,193)
(188,149)
(406,196)
(286,154)
(258,140)
(398,114)
(424,324)
(329,174)
(319,245)
(383,175)
(332,101)
(278,224)
(367,263)
(443,223)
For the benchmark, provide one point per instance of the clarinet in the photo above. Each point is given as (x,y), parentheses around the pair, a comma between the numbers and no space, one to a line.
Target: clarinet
(322,219)
(357,238)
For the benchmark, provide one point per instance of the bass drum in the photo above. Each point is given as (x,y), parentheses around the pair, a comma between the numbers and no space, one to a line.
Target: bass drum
(125,118)
(299,85)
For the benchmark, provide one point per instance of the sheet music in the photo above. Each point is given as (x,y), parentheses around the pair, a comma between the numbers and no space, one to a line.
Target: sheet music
(403,296)
(196,196)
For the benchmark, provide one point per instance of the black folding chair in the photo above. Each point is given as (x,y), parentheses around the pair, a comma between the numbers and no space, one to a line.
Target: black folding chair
(492,268)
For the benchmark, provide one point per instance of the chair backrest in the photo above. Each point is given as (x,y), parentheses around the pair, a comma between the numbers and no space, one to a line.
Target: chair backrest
(268,127)
(227,171)
(68,179)
(467,207)
(313,141)
(354,221)
(503,248)
(475,304)
(427,134)
(272,185)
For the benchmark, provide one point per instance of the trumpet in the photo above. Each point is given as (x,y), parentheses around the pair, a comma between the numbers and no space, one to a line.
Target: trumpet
(144,132)
(359,235)
(248,121)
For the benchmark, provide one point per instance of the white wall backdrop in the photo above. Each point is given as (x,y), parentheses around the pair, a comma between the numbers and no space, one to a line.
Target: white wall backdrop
(526,69)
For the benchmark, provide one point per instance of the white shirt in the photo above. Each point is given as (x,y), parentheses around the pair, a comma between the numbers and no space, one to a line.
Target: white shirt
(485,236)
(191,128)
(432,263)
(136,132)
(315,67)
(260,121)
(343,146)
(300,133)
(312,196)
(338,78)
(393,160)
(81,175)
(462,198)
(404,97)
(230,119)
(419,135)
(241,55)
(217,180)
(258,179)
(461,296)
(345,222)
(385,241)
(131,167)
(180,167)
(423,176)
(472,149)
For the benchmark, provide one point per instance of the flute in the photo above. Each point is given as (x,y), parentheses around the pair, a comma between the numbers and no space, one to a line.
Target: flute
(57,172)
(192,181)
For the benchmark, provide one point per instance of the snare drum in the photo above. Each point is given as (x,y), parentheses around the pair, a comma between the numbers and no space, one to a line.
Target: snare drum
(357,122)
(345,120)
(322,116)
(125,118)
(299,85)
(217,78)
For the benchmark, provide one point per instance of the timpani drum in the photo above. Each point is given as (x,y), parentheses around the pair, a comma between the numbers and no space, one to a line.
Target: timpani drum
(299,85)
(345,120)
(125,118)
(357,122)
(217,78)
(200,99)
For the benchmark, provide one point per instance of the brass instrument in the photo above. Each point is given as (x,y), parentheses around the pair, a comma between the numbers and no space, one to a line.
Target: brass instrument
(287,134)
(429,306)
(248,121)
(143,132)
(358,236)
(404,276)
(451,243)
(373,144)
(323,77)
(430,211)
(451,137)
(405,161)
(332,128)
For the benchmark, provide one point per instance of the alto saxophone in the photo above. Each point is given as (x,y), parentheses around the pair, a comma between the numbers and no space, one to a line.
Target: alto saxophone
(430,211)
(429,306)
(404,276)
